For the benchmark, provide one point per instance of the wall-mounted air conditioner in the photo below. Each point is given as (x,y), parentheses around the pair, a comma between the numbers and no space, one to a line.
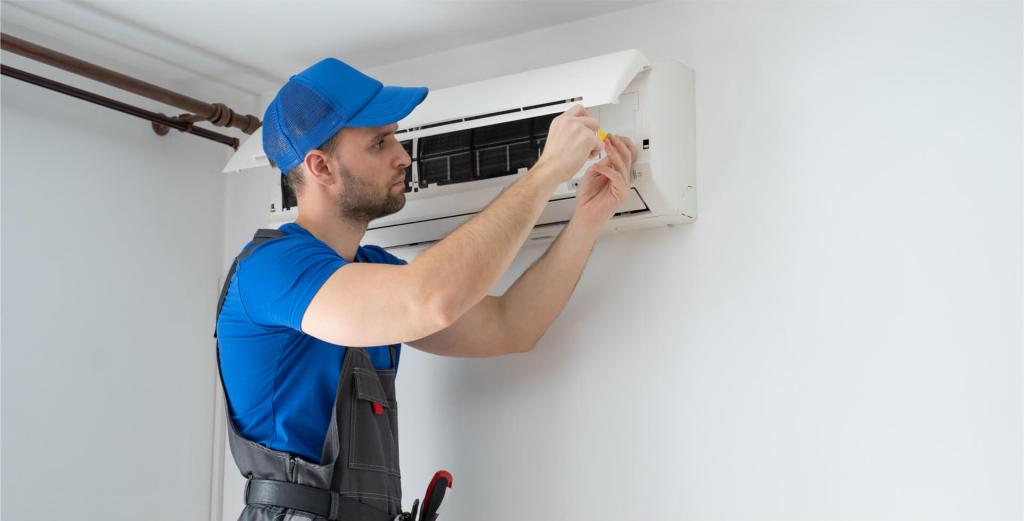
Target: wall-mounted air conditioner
(471,141)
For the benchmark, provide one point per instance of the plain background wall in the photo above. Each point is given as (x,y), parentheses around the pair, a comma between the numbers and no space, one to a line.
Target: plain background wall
(838,336)
(112,241)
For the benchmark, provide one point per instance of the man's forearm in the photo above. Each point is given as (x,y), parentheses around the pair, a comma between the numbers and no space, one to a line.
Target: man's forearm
(538,296)
(466,264)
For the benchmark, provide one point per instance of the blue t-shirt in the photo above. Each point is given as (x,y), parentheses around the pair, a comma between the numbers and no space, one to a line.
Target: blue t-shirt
(281,382)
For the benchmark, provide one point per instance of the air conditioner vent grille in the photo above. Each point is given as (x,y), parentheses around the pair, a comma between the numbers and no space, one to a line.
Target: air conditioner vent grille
(480,153)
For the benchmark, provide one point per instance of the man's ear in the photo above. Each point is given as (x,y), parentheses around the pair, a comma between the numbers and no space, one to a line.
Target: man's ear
(318,168)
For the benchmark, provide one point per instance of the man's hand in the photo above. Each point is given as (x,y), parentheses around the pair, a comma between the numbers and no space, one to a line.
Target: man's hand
(572,138)
(515,321)
(606,183)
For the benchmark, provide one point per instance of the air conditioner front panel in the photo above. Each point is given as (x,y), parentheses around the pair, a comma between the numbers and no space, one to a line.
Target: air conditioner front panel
(597,80)
(557,211)
(454,168)
(461,164)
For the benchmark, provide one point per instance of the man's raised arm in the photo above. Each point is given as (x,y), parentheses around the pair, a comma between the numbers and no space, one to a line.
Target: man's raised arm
(364,304)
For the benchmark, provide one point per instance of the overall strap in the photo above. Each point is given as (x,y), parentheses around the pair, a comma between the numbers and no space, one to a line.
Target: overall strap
(262,235)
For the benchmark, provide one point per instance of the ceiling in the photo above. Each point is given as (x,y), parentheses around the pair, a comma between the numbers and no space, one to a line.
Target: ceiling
(228,49)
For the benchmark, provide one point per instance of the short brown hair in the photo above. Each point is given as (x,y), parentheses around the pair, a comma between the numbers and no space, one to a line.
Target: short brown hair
(294,176)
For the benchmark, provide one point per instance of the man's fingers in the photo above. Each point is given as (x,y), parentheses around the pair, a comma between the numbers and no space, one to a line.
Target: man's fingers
(613,174)
(589,122)
(629,146)
(577,110)
(623,178)
(619,153)
(628,149)
(615,154)
(596,143)
(614,177)
(626,146)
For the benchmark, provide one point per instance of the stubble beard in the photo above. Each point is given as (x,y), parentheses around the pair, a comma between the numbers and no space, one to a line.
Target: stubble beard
(361,203)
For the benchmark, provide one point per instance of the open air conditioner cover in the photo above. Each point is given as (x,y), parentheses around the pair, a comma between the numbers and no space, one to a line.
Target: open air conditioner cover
(469,142)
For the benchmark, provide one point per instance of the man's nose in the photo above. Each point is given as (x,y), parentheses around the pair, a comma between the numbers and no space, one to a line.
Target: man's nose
(403,161)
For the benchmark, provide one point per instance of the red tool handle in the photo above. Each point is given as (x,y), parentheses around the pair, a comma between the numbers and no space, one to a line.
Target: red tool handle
(442,478)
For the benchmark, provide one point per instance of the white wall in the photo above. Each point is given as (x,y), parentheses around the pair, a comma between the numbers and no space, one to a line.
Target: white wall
(838,336)
(112,251)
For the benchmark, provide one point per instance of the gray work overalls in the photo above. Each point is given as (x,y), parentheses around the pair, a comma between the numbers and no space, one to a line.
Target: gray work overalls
(357,478)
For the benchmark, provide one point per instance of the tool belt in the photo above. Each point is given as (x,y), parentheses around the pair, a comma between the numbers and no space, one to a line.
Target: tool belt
(333,506)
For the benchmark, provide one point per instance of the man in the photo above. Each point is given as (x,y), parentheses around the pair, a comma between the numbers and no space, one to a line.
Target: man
(311,322)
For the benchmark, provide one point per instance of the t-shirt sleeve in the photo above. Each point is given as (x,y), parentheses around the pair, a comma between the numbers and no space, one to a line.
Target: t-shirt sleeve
(279,279)
(381,255)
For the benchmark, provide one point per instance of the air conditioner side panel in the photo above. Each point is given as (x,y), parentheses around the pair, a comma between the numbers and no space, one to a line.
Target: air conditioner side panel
(670,114)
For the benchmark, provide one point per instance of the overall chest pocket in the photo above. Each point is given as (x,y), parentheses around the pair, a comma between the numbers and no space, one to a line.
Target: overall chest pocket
(374,425)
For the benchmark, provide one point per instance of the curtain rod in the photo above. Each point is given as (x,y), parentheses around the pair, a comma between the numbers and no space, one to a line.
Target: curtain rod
(216,113)
(156,118)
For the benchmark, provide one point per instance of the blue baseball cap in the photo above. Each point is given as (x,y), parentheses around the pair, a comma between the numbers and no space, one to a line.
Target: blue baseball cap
(321,100)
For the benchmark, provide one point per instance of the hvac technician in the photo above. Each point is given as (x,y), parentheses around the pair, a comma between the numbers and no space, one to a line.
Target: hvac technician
(311,323)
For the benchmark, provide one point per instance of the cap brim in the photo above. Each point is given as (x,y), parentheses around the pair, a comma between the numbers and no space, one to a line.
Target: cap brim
(390,105)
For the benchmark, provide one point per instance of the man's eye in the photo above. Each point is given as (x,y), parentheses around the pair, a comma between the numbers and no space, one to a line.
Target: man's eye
(380,144)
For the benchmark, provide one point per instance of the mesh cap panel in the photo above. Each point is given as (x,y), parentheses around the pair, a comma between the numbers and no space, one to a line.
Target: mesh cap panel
(295,113)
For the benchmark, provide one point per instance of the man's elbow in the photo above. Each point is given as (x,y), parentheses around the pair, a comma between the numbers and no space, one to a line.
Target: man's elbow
(434,311)
(521,341)
(521,347)
(438,314)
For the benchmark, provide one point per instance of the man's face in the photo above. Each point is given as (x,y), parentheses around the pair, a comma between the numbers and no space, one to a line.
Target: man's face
(372,170)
